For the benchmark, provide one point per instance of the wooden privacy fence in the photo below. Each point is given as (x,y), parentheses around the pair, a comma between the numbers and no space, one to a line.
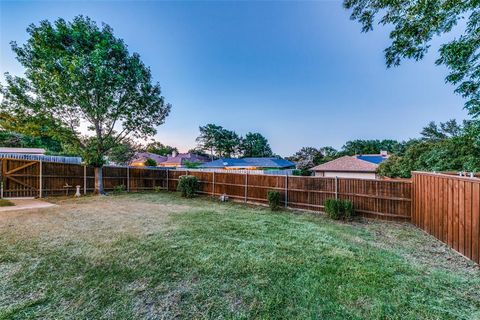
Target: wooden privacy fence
(389,200)
(448,207)
(383,199)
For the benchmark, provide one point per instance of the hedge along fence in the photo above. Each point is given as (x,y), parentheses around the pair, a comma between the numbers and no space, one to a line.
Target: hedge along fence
(390,200)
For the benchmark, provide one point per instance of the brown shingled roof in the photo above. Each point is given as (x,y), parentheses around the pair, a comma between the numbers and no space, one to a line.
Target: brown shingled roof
(347,163)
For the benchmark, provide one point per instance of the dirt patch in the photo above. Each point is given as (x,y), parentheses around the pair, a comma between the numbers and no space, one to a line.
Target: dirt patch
(92,218)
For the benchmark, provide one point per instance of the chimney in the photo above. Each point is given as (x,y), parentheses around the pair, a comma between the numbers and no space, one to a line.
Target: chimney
(383,153)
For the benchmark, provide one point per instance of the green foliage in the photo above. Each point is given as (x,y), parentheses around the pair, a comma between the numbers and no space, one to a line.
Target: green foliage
(123,153)
(150,163)
(18,140)
(78,73)
(273,198)
(255,145)
(188,186)
(119,189)
(339,209)
(190,164)
(159,148)
(218,141)
(359,146)
(446,147)
(416,23)
(157,189)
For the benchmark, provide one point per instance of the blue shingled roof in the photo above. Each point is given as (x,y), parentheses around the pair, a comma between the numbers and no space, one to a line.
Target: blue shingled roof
(249,162)
(377,159)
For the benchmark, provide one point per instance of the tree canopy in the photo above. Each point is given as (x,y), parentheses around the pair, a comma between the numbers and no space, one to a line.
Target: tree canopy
(255,145)
(416,23)
(444,147)
(83,88)
(159,148)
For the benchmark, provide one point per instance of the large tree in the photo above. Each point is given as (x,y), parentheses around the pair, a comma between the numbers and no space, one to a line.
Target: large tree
(83,88)
(415,23)
(218,141)
(255,145)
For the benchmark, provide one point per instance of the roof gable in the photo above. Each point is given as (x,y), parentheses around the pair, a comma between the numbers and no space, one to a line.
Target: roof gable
(347,163)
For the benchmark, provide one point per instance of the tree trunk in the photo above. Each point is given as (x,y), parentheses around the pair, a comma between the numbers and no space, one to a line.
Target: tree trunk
(99,181)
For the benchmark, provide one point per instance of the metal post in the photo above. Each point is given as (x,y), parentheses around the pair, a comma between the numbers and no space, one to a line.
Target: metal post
(84,179)
(336,187)
(128,178)
(246,185)
(41,180)
(213,188)
(286,190)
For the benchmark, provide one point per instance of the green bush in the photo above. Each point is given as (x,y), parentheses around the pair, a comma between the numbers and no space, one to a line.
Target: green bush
(119,189)
(188,186)
(273,199)
(157,189)
(339,209)
(150,163)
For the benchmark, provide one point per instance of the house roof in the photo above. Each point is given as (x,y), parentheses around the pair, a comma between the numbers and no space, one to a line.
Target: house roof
(143,156)
(249,162)
(182,157)
(23,150)
(348,164)
(373,158)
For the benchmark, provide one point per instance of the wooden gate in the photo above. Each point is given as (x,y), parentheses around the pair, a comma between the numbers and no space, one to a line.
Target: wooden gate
(20,178)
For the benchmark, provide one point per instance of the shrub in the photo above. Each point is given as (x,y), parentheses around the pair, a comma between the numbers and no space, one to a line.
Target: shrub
(188,186)
(157,188)
(119,189)
(339,209)
(273,199)
(150,163)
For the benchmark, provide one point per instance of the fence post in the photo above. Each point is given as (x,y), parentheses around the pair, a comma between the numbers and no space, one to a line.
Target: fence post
(84,179)
(336,187)
(41,180)
(167,179)
(213,188)
(286,190)
(246,185)
(128,178)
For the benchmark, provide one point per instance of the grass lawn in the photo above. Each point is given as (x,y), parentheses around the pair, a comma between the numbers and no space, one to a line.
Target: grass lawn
(159,256)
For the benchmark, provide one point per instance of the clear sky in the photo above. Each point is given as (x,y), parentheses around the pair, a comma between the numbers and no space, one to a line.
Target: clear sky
(300,73)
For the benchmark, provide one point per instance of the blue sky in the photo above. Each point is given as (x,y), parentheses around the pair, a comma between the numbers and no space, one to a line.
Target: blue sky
(300,73)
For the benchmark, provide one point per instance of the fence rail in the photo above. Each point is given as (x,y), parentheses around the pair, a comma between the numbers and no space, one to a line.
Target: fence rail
(448,207)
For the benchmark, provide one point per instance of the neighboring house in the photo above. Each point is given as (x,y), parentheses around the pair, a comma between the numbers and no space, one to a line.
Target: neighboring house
(359,166)
(141,157)
(179,160)
(249,164)
(172,161)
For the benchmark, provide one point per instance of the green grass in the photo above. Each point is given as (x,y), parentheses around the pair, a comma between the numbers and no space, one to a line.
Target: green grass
(6,203)
(209,260)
